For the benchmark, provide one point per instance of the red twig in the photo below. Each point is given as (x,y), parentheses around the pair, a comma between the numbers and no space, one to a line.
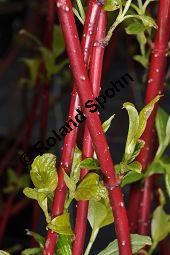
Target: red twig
(47,41)
(78,68)
(70,140)
(95,78)
(155,86)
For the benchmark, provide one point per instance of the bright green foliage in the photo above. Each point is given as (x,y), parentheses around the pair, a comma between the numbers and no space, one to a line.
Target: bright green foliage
(161,166)
(112,5)
(4,253)
(135,28)
(131,177)
(61,224)
(137,241)
(160,226)
(75,170)
(137,124)
(64,245)
(106,125)
(90,188)
(163,130)
(43,172)
(32,251)
(44,177)
(100,214)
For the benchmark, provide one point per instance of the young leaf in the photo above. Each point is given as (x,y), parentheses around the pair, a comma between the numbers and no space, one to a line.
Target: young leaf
(135,28)
(90,164)
(38,238)
(96,214)
(111,5)
(33,65)
(64,245)
(163,130)
(58,41)
(4,252)
(90,188)
(144,115)
(142,59)
(133,128)
(155,168)
(139,145)
(137,241)
(107,123)
(75,170)
(43,172)
(61,224)
(148,21)
(32,251)
(167,182)
(135,167)
(160,225)
(41,199)
(109,216)
(69,182)
(131,177)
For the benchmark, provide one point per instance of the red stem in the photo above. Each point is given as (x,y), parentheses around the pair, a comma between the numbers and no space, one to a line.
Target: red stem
(70,140)
(88,151)
(47,41)
(155,86)
(78,68)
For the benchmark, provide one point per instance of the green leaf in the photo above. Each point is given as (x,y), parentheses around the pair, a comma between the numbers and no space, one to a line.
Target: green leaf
(100,214)
(137,241)
(163,130)
(135,28)
(109,216)
(61,224)
(4,252)
(41,199)
(43,172)
(131,177)
(96,214)
(58,41)
(139,145)
(38,238)
(167,182)
(64,245)
(69,182)
(111,5)
(144,115)
(160,225)
(107,123)
(30,193)
(161,122)
(90,188)
(143,60)
(33,66)
(148,21)
(75,170)
(32,251)
(90,164)
(49,60)
(154,168)
(135,167)
(133,129)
